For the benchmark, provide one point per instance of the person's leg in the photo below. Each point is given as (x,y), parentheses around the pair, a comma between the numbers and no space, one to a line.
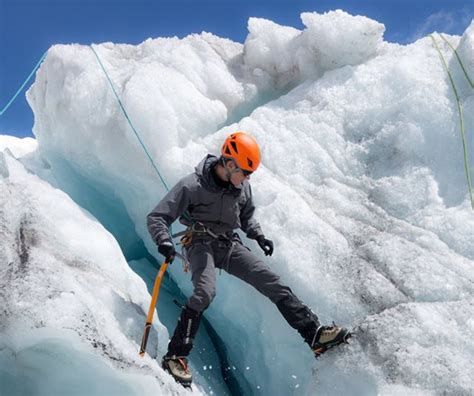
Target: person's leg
(204,282)
(246,266)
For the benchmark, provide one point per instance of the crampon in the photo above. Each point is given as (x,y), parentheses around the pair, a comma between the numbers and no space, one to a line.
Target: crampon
(341,337)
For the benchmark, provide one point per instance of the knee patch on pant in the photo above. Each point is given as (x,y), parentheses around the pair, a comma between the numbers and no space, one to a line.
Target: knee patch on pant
(201,299)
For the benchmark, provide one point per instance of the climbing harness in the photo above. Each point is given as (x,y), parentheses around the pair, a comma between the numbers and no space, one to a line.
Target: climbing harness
(199,229)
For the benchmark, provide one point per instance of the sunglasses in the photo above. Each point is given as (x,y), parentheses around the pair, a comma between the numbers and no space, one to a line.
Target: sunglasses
(246,173)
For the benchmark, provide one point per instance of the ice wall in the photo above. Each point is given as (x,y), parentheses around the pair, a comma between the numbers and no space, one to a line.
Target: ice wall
(72,310)
(18,147)
(361,187)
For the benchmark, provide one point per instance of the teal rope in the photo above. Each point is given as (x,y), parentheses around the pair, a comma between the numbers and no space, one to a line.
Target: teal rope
(23,85)
(459,60)
(129,121)
(461,121)
(185,214)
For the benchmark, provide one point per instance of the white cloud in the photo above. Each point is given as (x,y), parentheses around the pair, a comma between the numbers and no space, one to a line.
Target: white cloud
(441,21)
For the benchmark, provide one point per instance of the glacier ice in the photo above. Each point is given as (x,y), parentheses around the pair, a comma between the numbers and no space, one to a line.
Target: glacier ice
(18,147)
(362,188)
(71,306)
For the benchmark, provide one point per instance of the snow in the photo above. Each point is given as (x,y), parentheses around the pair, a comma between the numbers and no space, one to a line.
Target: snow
(18,146)
(330,41)
(71,306)
(50,362)
(362,188)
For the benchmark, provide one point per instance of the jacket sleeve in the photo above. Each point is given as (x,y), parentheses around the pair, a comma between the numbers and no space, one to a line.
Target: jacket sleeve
(173,205)
(248,224)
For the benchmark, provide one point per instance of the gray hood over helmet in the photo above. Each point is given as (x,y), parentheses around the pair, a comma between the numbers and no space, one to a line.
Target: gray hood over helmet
(222,209)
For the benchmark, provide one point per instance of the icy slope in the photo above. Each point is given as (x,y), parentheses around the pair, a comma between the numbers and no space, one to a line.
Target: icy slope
(362,185)
(18,147)
(72,310)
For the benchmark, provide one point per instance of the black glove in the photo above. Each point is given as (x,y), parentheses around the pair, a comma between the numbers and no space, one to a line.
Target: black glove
(266,245)
(167,249)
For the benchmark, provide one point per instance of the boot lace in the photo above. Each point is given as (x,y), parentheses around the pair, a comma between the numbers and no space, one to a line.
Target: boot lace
(325,331)
(183,364)
(328,330)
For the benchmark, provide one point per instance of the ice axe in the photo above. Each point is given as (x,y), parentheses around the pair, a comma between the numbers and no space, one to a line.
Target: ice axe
(151,310)
(154,299)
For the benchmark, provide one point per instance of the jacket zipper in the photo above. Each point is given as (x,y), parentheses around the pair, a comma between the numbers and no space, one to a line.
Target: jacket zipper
(222,207)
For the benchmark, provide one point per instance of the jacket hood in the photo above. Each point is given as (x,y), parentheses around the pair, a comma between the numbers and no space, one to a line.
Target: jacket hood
(203,171)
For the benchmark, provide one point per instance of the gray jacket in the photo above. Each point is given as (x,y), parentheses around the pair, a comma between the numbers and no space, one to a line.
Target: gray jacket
(221,209)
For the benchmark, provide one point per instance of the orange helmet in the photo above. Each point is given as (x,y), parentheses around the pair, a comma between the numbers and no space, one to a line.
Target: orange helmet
(243,149)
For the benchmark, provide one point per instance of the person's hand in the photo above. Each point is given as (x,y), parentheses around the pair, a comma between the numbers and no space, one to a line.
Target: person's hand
(266,245)
(167,249)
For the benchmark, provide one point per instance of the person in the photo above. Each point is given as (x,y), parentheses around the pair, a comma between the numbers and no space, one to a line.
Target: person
(212,203)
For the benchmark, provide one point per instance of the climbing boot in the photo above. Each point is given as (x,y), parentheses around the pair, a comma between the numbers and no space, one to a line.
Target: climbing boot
(179,369)
(327,337)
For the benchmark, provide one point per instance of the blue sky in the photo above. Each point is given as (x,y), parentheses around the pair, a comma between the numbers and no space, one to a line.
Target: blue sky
(29,27)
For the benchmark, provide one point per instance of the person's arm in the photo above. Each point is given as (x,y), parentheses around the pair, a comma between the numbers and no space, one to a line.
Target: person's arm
(248,223)
(251,227)
(173,205)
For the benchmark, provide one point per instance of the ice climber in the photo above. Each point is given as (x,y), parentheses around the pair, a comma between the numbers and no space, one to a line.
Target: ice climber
(213,202)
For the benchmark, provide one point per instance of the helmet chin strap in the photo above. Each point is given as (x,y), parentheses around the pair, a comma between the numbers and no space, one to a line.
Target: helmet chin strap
(228,173)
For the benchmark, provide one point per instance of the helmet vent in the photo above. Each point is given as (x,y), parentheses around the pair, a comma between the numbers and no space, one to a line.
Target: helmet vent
(243,149)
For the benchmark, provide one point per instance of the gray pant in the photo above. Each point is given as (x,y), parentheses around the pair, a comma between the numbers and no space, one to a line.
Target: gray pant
(206,256)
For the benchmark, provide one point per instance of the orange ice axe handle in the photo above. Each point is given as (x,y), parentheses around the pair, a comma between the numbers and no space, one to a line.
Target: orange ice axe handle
(151,310)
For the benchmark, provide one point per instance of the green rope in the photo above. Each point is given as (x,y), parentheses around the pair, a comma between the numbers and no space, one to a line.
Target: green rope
(459,60)
(23,85)
(461,121)
(185,214)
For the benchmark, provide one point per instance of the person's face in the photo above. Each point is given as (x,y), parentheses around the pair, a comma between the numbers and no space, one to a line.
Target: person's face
(237,175)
